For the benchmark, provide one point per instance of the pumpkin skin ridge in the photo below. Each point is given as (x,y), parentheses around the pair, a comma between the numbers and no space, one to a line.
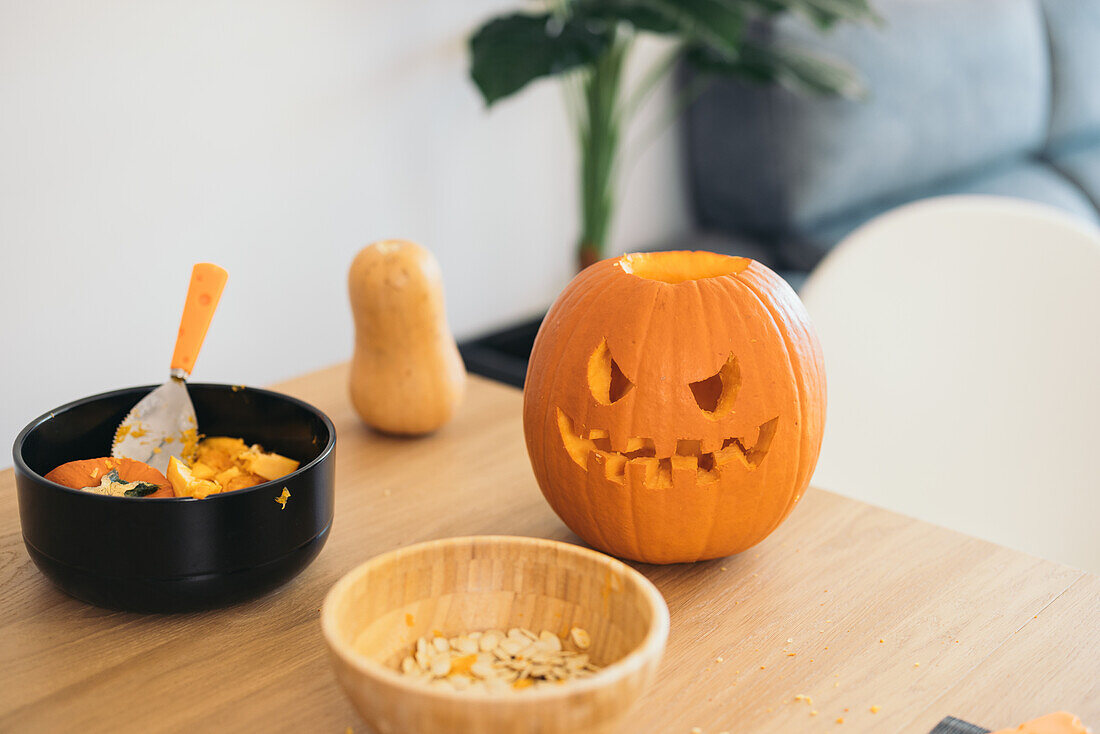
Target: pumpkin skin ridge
(647,319)
(707,537)
(812,415)
(740,287)
(650,303)
(595,489)
(731,289)
(794,494)
(712,526)
(633,539)
(576,297)
(795,316)
(593,533)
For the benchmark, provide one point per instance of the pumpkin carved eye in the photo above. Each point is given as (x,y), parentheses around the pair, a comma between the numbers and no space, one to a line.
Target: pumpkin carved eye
(606,381)
(716,394)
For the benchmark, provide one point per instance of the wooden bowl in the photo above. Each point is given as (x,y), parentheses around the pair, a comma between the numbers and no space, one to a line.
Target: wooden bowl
(373,616)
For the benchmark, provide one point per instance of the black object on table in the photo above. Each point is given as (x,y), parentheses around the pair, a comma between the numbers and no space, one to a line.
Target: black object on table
(502,355)
(951,725)
(176,554)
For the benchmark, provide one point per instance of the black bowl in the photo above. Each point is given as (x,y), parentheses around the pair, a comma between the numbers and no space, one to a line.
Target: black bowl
(176,554)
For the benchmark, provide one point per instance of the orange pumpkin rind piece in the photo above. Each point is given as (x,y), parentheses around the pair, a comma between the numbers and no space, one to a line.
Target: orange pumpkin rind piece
(1059,722)
(85,473)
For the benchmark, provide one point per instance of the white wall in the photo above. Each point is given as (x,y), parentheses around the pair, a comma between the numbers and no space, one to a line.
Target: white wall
(274,138)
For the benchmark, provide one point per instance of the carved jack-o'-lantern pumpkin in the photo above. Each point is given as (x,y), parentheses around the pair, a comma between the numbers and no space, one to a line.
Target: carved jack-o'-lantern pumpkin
(674,405)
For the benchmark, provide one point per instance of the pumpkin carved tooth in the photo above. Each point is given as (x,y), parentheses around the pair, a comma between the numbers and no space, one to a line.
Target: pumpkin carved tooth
(665,446)
(615,466)
(642,471)
(711,445)
(750,457)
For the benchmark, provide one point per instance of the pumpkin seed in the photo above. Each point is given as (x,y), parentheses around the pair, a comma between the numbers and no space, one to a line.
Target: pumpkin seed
(495,661)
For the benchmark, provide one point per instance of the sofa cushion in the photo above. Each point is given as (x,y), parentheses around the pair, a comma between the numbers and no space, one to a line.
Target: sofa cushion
(1030,179)
(954,84)
(1082,167)
(1074,30)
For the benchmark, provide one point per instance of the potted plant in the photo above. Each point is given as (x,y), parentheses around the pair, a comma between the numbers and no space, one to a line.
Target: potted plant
(588,43)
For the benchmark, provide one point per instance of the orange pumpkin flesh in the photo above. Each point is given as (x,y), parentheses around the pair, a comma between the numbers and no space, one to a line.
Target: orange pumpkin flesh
(674,405)
(89,472)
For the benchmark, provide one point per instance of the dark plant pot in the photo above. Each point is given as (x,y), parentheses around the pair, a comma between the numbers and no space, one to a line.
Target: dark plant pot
(176,554)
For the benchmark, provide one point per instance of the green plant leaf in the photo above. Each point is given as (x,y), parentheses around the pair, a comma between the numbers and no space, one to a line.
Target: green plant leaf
(800,71)
(823,13)
(510,51)
(716,24)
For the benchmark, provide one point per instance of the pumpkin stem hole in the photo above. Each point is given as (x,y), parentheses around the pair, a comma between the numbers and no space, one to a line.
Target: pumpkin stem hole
(678,267)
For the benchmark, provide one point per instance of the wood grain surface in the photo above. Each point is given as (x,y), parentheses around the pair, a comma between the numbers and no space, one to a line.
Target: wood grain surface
(846,606)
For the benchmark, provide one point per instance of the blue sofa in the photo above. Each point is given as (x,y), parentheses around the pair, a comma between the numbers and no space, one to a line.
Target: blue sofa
(966,96)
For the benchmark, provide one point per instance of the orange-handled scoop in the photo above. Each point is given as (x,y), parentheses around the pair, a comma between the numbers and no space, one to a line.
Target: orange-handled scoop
(207,283)
(163,424)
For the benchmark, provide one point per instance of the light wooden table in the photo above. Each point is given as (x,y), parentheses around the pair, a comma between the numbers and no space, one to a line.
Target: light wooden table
(847,604)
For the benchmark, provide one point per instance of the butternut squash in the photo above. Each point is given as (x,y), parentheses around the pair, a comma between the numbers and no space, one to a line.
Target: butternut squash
(406,374)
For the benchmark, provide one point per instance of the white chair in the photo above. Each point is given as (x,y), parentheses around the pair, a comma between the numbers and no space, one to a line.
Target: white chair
(962,351)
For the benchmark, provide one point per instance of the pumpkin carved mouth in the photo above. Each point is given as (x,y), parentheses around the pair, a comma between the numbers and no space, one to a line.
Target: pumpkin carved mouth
(592,450)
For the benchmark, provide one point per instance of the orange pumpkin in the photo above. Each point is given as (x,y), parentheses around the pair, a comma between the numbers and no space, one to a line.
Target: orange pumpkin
(674,405)
(89,473)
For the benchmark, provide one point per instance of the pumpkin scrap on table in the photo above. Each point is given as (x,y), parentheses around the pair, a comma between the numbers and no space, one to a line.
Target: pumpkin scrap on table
(1060,722)
(224,464)
(674,405)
